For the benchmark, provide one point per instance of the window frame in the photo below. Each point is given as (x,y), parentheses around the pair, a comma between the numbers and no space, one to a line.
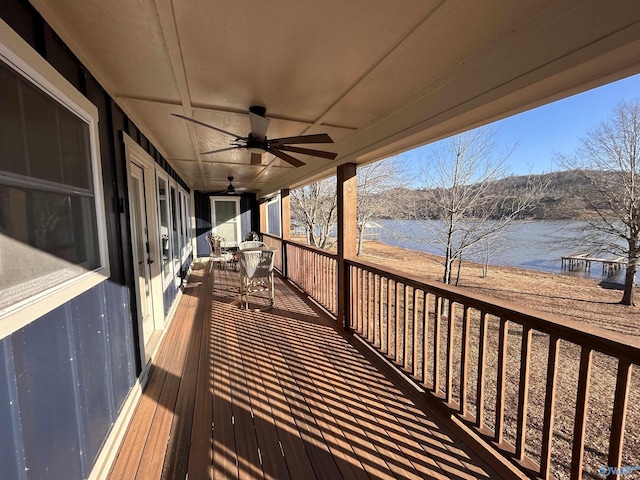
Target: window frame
(20,57)
(186,241)
(238,222)
(270,202)
(161,176)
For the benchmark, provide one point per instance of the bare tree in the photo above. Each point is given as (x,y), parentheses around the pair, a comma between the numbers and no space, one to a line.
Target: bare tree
(314,208)
(470,208)
(375,181)
(609,159)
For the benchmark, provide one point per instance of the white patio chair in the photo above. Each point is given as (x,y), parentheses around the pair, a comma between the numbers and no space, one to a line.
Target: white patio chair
(252,244)
(256,274)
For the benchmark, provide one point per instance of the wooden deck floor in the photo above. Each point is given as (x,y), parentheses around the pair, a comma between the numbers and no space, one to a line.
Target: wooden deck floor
(278,394)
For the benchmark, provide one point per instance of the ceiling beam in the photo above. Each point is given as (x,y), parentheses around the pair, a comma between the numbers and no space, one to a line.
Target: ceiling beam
(167,22)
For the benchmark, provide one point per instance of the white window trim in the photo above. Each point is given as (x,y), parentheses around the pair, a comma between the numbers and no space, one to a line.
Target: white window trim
(186,221)
(271,201)
(175,272)
(19,55)
(168,279)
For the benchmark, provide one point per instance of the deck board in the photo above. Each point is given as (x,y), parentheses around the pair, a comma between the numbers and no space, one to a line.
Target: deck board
(276,394)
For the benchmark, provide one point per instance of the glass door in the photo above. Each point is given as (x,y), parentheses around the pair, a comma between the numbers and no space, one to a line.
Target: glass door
(225,219)
(139,233)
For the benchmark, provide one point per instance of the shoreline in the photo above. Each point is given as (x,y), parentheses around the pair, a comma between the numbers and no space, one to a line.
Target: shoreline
(582,299)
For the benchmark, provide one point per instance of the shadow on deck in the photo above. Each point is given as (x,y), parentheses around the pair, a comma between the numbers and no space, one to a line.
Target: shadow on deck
(278,394)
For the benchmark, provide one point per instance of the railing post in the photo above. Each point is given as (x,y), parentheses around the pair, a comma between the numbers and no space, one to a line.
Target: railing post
(285,227)
(346,189)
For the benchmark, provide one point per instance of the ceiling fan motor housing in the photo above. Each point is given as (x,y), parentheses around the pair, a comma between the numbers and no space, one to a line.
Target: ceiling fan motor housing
(258,110)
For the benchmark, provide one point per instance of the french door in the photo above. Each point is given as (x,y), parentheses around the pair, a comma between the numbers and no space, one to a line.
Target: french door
(225,218)
(142,257)
(145,247)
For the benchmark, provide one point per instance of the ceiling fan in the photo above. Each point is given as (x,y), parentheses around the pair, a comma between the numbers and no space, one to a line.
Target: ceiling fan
(231,190)
(258,143)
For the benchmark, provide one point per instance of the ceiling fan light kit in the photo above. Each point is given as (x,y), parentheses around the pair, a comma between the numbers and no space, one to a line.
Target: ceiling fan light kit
(257,143)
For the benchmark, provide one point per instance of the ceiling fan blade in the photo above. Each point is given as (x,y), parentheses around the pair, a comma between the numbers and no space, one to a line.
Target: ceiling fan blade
(256,159)
(308,151)
(198,122)
(222,150)
(319,138)
(259,125)
(286,157)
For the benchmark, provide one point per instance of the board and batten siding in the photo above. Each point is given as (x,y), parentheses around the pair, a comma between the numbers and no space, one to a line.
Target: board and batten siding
(249,218)
(65,376)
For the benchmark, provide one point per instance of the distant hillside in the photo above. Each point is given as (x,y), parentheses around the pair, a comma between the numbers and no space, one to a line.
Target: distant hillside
(563,197)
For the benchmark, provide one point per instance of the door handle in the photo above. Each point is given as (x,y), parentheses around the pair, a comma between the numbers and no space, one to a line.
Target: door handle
(149,261)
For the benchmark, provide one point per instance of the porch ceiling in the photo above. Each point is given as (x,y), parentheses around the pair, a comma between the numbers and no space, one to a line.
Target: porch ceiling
(379,76)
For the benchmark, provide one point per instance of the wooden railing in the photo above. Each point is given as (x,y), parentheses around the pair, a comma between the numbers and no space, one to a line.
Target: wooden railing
(531,384)
(549,393)
(274,242)
(314,271)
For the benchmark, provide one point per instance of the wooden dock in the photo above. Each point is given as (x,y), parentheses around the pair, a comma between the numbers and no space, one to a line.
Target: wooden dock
(582,261)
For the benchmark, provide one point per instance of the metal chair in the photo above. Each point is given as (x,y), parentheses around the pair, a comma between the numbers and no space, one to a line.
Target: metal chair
(256,274)
(215,242)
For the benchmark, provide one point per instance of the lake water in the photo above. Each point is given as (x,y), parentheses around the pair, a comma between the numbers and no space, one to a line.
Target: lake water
(536,245)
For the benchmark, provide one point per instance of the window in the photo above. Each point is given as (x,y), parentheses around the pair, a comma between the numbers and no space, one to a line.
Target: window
(175,229)
(273,216)
(51,212)
(184,227)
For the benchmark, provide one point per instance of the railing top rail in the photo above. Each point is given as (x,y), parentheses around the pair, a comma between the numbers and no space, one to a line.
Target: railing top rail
(317,250)
(606,341)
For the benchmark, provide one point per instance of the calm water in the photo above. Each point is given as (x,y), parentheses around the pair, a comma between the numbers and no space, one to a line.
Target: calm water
(537,245)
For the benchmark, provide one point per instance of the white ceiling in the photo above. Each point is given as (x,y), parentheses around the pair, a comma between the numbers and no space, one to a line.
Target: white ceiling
(380,76)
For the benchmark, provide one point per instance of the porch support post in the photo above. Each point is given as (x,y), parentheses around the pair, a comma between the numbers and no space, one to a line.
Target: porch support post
(346,190)
(285,226)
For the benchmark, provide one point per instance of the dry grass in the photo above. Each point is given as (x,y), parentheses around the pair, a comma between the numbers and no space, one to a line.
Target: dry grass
(581,299)
(574,297)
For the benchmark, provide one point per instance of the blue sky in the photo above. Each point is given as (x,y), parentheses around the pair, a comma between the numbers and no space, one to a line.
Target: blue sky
(556,127)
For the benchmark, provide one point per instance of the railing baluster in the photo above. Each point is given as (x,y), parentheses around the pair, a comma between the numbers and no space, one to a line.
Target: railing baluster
(396,354)
(500,387)
(365,305)
(414,342)
(450,338)
(388,299)
(436,344)
(549,407)
(380,294)
(523,397)
(384,313)
(376,310)
(580,423)
(481,367)
(623,384)
(425,326)
(371,307)
(353,280)
(464,360)
(361,301)
(405,329)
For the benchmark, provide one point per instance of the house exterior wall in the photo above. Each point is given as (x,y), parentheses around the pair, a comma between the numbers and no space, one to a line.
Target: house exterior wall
(248,218)
(64,376)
